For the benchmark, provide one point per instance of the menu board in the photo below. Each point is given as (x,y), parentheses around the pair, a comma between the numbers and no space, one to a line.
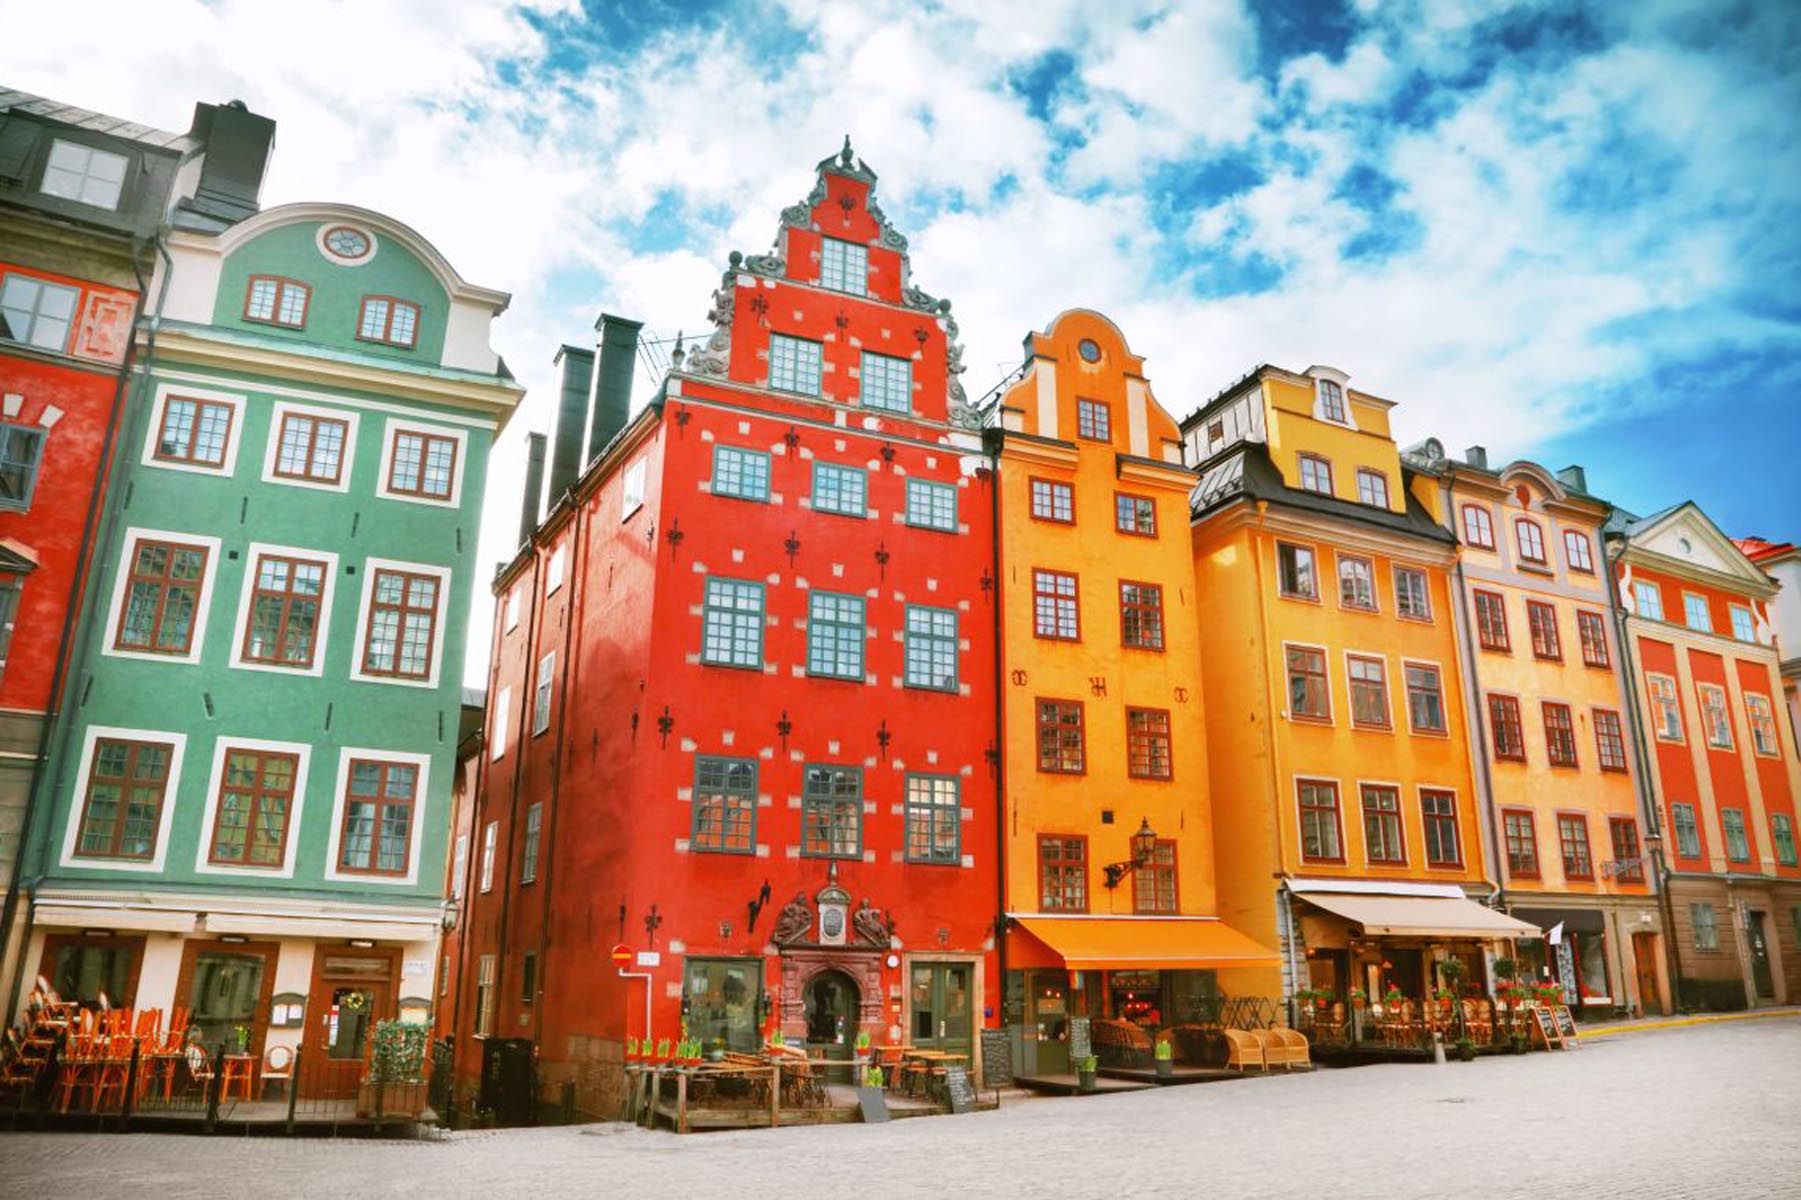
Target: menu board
(873,1103)
(1547,1028)
(961,1091)
(997,1058)
(1566,1026)
(1080,1045)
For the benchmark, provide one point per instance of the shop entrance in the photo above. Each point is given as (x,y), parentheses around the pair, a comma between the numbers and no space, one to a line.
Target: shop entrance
(1756,934)
(1405,969)
(830,1007)
(941,1002)
(1644,962)
(1047,994)
(351,992)
(226,987)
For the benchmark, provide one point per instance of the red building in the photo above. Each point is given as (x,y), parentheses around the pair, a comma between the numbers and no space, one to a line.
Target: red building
(741,714)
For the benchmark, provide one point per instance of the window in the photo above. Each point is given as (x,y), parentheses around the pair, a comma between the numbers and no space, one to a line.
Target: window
(1316,474)
(933,819)
(37,313)
(725,805)
(1216,433)
(503,705)
(1506,728)
(1541,618)
(273,300)
(1531,541)
(1411,597)
(1062,873)
(1522,843)
(886,383)
(1478,527)
(1136,515)
(378,818)
(1732,827)
(931,648)
(1382,837)
(123,804)
(1053,501)
(1593,632)
(1060,745)
(1648,599)
(741,474)
(1054,609)
(1140,615)
(389,321)
(1707,929)
(1425,698)
(1688,830)
(484,996)
(1320,831)
(84,174)
(794,364)
(1094,420)
(1578,551)
(312,449)
(528,976)
(1356,583)
(1331,401)
(631,489)
(1742,627)
(403,619)
(1148,753)
(547,668)
(1666,709)
(1695,614)
(1610,740)
(459,866)
(1372,487)
(250,826)
(1628,864)
(490,838)
(1369,691)
(1572,839)
(1714,718)
(732,624)
(528,854)
(194,432)
(1782,833)
(832,812)
(835,635)
(1759,716)
(513,609)
(11,587)
(423,465)
(284,611)
(844,266)
(931,505)
(1308,699)
(1491,621)
(1295,574)
(553,570)
(1154,882)
(1560,734)
(839,489)
(162,597)
(1438,816)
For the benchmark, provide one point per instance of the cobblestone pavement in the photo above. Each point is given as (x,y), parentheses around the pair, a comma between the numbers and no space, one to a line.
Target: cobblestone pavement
(1703,1111)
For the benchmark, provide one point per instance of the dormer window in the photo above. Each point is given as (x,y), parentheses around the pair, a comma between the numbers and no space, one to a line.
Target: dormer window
(277,301)
(844,267)
(84,174)
(1331,402)
(1372,487)
(1316,474)
(389,321)
(1094,421)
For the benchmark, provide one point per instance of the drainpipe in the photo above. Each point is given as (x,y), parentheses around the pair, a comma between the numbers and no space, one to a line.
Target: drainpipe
(1000,752)
(70,634)
(1284,902)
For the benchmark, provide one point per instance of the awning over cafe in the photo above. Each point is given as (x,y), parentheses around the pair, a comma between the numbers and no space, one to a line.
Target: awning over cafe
(1096,943)
(1421,916)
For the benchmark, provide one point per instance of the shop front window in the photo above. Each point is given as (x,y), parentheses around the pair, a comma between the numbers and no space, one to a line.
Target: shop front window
(81,973)
(225,994)
(721,997)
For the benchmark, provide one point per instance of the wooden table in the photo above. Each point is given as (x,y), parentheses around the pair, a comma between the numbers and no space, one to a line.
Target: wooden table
(930,1062)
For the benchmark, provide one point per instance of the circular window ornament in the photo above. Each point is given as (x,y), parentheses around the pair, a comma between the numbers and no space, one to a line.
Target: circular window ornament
(1089,350)
(346,244)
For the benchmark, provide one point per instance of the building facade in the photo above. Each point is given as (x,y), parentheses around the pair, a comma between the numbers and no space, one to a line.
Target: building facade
(1705,671)
(1781,561)
(249,791)
(741,715)
(1105,808)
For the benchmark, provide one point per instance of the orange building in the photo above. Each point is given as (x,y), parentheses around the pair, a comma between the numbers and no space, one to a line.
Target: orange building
(1108,834)
(1341,768)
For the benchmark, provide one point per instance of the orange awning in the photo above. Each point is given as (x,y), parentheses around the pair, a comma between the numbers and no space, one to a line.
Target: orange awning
(1085,943)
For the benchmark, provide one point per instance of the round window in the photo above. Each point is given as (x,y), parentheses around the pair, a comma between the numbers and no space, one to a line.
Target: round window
(1089,351)
(1686,548)
(346,242)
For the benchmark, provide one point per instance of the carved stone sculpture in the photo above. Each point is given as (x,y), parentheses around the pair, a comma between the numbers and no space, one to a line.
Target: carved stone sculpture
(796,920)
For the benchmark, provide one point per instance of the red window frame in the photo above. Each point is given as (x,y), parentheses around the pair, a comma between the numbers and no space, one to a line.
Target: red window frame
(1388,820)
(1062,860)
(1324,800)
(260,797)
(1312,553)
(1396,572)
(1052,490)
(1379,480)
(1478,527)
(1582,560)
(1504,717)
(166,586)
(282,285)
(1534,554)
(312,443)
(1321,462)
(1340,561)
(403,610)
(1125,503)
(1541,621)
(1430,819)
(1150,750)
(127,782)
(1056,602)
(1519,831)
(426,440)
(382,801)
(386,336)
(1324,675)
(1443,728)
(1094,420)
(286,597)
(1573,846)
(1560,734)
(1062,731)
(189,457)
(1610,739)
(1626,849)
(1154,884)
(1352,684)
(1591,630)
(1145,614)
(1491,621)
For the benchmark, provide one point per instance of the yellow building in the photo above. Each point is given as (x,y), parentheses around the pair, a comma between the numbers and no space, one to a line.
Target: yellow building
(1107,828)
(1343,798)
(1555,734)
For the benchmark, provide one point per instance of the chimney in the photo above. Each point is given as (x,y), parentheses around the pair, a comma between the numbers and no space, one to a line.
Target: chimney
(534,485)
(612,382)
(238,143)
(1574,478)
(566,455)
(1477,456)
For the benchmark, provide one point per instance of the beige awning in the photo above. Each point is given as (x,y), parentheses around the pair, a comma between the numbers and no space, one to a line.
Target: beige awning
(1422,916)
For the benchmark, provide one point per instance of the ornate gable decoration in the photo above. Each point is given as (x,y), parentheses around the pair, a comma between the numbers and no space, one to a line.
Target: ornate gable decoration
(1688,536)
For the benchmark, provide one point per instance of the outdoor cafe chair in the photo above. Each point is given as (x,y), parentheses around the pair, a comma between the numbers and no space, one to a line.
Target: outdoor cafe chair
(278,1067)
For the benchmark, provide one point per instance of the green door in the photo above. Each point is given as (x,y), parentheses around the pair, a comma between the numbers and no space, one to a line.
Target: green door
(941,1007)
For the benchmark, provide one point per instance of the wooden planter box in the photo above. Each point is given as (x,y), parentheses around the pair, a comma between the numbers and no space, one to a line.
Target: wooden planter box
(390,1100)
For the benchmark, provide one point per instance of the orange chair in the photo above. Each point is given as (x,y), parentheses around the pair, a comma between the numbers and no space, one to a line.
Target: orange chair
(113,1069)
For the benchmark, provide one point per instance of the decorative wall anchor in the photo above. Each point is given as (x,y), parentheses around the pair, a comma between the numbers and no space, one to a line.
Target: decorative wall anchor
(792,545)
(682,417)
(674,535)
(650,534)
(883,737)
(881,559)
(1097,684)
(784,727)
(842,320)
(756,906)
(920,335)
(1019,677)
(1181,695)
(791,439)
(993,755)
(888,453)
(665,723)
(653,920)
(634,725)
(847,202)
(759,304)
(986,582)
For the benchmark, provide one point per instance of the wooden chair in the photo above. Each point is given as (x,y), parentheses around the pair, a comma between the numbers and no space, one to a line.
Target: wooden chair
(200,1066)
(112,1069)
(278,1067)
(78,1071)
(1478,1019)
(1243,1050)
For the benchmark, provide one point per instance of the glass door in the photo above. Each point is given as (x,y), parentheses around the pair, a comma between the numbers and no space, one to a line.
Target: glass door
(941,1007)
(223,999)
(1760,956)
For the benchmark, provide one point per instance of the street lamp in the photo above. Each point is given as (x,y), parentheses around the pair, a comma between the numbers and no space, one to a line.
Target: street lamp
(1144,849)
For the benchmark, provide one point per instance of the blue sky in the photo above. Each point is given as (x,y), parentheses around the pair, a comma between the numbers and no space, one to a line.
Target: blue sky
(1565,231)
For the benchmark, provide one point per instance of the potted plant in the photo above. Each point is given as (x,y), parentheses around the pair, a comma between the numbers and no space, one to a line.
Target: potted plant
(662,1055)
(872,1077)
(395,1084)
(1087,1068)
(1164,1055)
(1466,1049)
(631,1049)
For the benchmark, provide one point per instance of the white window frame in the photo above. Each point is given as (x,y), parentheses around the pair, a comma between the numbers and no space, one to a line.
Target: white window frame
(490,843)
(555,567)
(1643,591)
(819,374)
(1689,600)
(234,437)
(70,327)
(1702,692)
(421,803)
(1344,401)
(542,691)
(395,426)
(513,609)
(282,409)
(928,488)
(851,254)
(497,740)
(203,607)
(1656,706)
(1759,708)
(178,745)
(369,569)
(631,489)
(883,364)
(531,842)
(459,865)
(92,152)
(1380,481)
(1733,611)
(253,554)
(303,754)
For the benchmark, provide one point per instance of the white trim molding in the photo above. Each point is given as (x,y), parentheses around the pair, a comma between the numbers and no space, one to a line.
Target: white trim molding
(253,555)
(121,580)
(370,567)
(234,436)
(272,448)
(421,798)
(178,745)
(303,753)
(397,425)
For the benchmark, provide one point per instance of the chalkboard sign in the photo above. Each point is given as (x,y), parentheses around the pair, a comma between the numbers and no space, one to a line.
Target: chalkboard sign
(872,1102)
(1547,1028)
(1080,1044)
(1566,1027)
(997,1058)
(961,1091)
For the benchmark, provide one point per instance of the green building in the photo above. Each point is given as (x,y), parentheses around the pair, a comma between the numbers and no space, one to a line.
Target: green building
(248,800)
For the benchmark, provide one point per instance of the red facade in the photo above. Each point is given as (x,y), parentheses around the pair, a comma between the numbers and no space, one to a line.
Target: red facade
(763,752)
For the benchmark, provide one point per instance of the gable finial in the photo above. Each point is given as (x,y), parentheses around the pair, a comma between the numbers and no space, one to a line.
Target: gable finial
(844,155)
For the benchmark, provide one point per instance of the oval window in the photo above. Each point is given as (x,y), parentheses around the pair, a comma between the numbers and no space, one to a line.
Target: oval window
(346,242)
(1089,351)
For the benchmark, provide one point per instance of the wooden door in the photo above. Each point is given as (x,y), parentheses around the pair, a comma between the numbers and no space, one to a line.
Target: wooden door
(1644,962)
(941,1007)
(1760,955)
(352,990)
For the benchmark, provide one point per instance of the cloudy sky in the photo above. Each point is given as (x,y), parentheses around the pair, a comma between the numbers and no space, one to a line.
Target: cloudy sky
(1566,231)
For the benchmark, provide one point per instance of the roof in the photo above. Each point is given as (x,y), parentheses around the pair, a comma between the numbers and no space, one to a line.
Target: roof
(1102,943)
(1245,472)
(1758,550)
(1230,391)
(1625,524)
(13,100)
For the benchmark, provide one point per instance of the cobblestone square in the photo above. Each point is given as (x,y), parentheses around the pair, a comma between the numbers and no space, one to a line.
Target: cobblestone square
(1693,1112)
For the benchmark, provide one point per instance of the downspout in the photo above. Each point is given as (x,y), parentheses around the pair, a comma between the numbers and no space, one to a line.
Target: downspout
(1283,893)
(1000,743)
(67,638)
